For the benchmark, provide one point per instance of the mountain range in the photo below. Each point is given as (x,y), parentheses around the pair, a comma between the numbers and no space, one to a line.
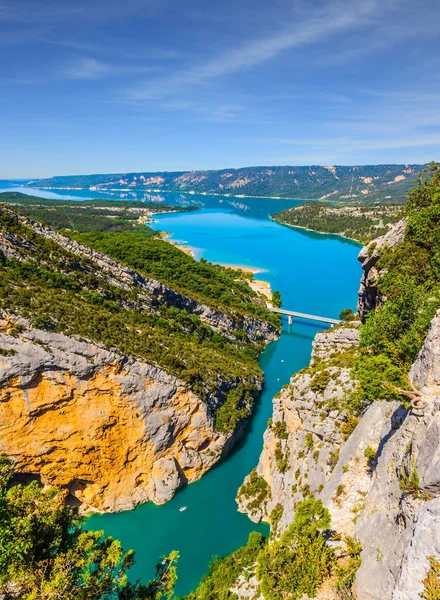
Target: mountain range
(347,184)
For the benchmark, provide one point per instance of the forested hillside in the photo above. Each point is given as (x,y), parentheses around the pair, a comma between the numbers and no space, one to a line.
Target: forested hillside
(355,184)
(360,223)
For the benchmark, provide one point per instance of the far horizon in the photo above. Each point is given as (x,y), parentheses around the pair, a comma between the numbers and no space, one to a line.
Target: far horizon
(156,171)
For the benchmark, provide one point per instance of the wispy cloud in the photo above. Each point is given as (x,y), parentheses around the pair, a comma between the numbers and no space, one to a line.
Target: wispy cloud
(335,18)
(411,141)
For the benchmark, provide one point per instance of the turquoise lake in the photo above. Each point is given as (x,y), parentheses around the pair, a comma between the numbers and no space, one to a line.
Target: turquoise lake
(315,273)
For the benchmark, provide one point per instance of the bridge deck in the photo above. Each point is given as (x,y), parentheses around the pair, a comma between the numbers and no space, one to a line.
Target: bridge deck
(291,313)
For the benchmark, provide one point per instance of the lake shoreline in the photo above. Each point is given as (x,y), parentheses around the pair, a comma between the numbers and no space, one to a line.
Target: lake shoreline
(190,193)
(338,235)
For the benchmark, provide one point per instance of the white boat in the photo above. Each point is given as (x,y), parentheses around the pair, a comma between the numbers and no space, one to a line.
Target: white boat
(182,508)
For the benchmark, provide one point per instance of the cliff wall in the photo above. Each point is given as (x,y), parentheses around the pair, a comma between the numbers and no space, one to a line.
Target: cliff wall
(378,474)
(114,431)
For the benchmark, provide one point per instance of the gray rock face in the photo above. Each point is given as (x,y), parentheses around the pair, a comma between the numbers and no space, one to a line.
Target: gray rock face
(426,370)
(369,296)
(399,527)
(305,432)
(390,503)
(424,542)
(337,339)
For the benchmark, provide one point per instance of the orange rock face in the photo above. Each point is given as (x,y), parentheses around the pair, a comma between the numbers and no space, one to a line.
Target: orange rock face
(114,432)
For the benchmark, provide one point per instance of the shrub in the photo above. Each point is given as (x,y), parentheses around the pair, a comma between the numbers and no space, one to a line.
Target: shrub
(320,381)
(255,489)
(297,563)
(46,553)
(432,581)
(280,428)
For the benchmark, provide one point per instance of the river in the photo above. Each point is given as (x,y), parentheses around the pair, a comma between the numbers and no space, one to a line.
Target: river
(316,274)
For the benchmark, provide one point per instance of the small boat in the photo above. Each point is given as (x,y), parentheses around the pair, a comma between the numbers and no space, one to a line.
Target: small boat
(182,508)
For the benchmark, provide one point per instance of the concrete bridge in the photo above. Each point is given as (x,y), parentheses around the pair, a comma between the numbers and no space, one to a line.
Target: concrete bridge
(290,314)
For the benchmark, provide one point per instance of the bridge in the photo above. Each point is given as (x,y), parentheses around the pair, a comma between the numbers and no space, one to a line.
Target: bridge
(290,314)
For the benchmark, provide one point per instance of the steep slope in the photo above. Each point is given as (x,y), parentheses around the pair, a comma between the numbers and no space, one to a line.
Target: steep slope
(350,461)
(113,384)
(114,431)
(370,183)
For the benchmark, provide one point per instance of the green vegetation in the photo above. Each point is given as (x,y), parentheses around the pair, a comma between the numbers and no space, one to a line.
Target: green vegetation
(223,572)
(347,315)
(290,567)
(282,457)
(275,517)
(309,440)
(219,287)
(276,298)
(112,227)
(256,490)
(409,480)
(89,215)
(280,429)
(320,381)
(45,553)
(393,334)
(360,223)
(63,292)
(432,581)
(370,455)
(346,571)
(297,564)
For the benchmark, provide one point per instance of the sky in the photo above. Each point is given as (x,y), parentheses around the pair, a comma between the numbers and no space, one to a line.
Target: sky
(103,86)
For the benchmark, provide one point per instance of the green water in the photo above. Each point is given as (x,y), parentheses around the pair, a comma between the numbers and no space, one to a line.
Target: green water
(316,274)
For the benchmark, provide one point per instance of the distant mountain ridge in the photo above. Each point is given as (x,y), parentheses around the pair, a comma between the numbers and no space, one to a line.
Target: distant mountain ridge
(353,184)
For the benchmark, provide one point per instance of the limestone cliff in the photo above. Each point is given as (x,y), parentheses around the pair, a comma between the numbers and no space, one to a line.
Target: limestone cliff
(379,474)
(112,430)
(369,297)
(302,441)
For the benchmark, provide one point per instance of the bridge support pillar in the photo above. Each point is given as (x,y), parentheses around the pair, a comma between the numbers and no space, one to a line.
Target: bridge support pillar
(289,319)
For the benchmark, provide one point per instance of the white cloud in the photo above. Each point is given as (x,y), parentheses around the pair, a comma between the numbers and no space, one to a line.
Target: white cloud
(91,68)
(337,17)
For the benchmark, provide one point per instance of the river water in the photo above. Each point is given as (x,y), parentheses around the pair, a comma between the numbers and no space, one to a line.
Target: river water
(316,274)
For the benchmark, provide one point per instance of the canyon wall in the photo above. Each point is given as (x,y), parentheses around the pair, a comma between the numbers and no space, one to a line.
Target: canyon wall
(378,474)
(112,430)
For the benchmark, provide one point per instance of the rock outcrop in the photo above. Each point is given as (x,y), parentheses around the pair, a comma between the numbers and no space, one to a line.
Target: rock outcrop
(369,296)
(399,527)
(112,430)
(303,439)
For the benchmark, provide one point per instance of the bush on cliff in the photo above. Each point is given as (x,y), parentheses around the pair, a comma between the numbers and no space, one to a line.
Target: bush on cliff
(223,572)
(393,334)
(300,560)
(45,553)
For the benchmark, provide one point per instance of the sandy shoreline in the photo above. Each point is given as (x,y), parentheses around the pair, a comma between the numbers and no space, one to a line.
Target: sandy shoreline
(262,288)
(258,285)
(186,249)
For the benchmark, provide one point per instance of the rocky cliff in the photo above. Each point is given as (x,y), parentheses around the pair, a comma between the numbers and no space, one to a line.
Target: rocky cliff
(112,430)
(91,354)
(377,473)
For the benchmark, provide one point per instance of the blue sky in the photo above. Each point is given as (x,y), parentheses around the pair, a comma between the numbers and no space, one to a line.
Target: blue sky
(100,86)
